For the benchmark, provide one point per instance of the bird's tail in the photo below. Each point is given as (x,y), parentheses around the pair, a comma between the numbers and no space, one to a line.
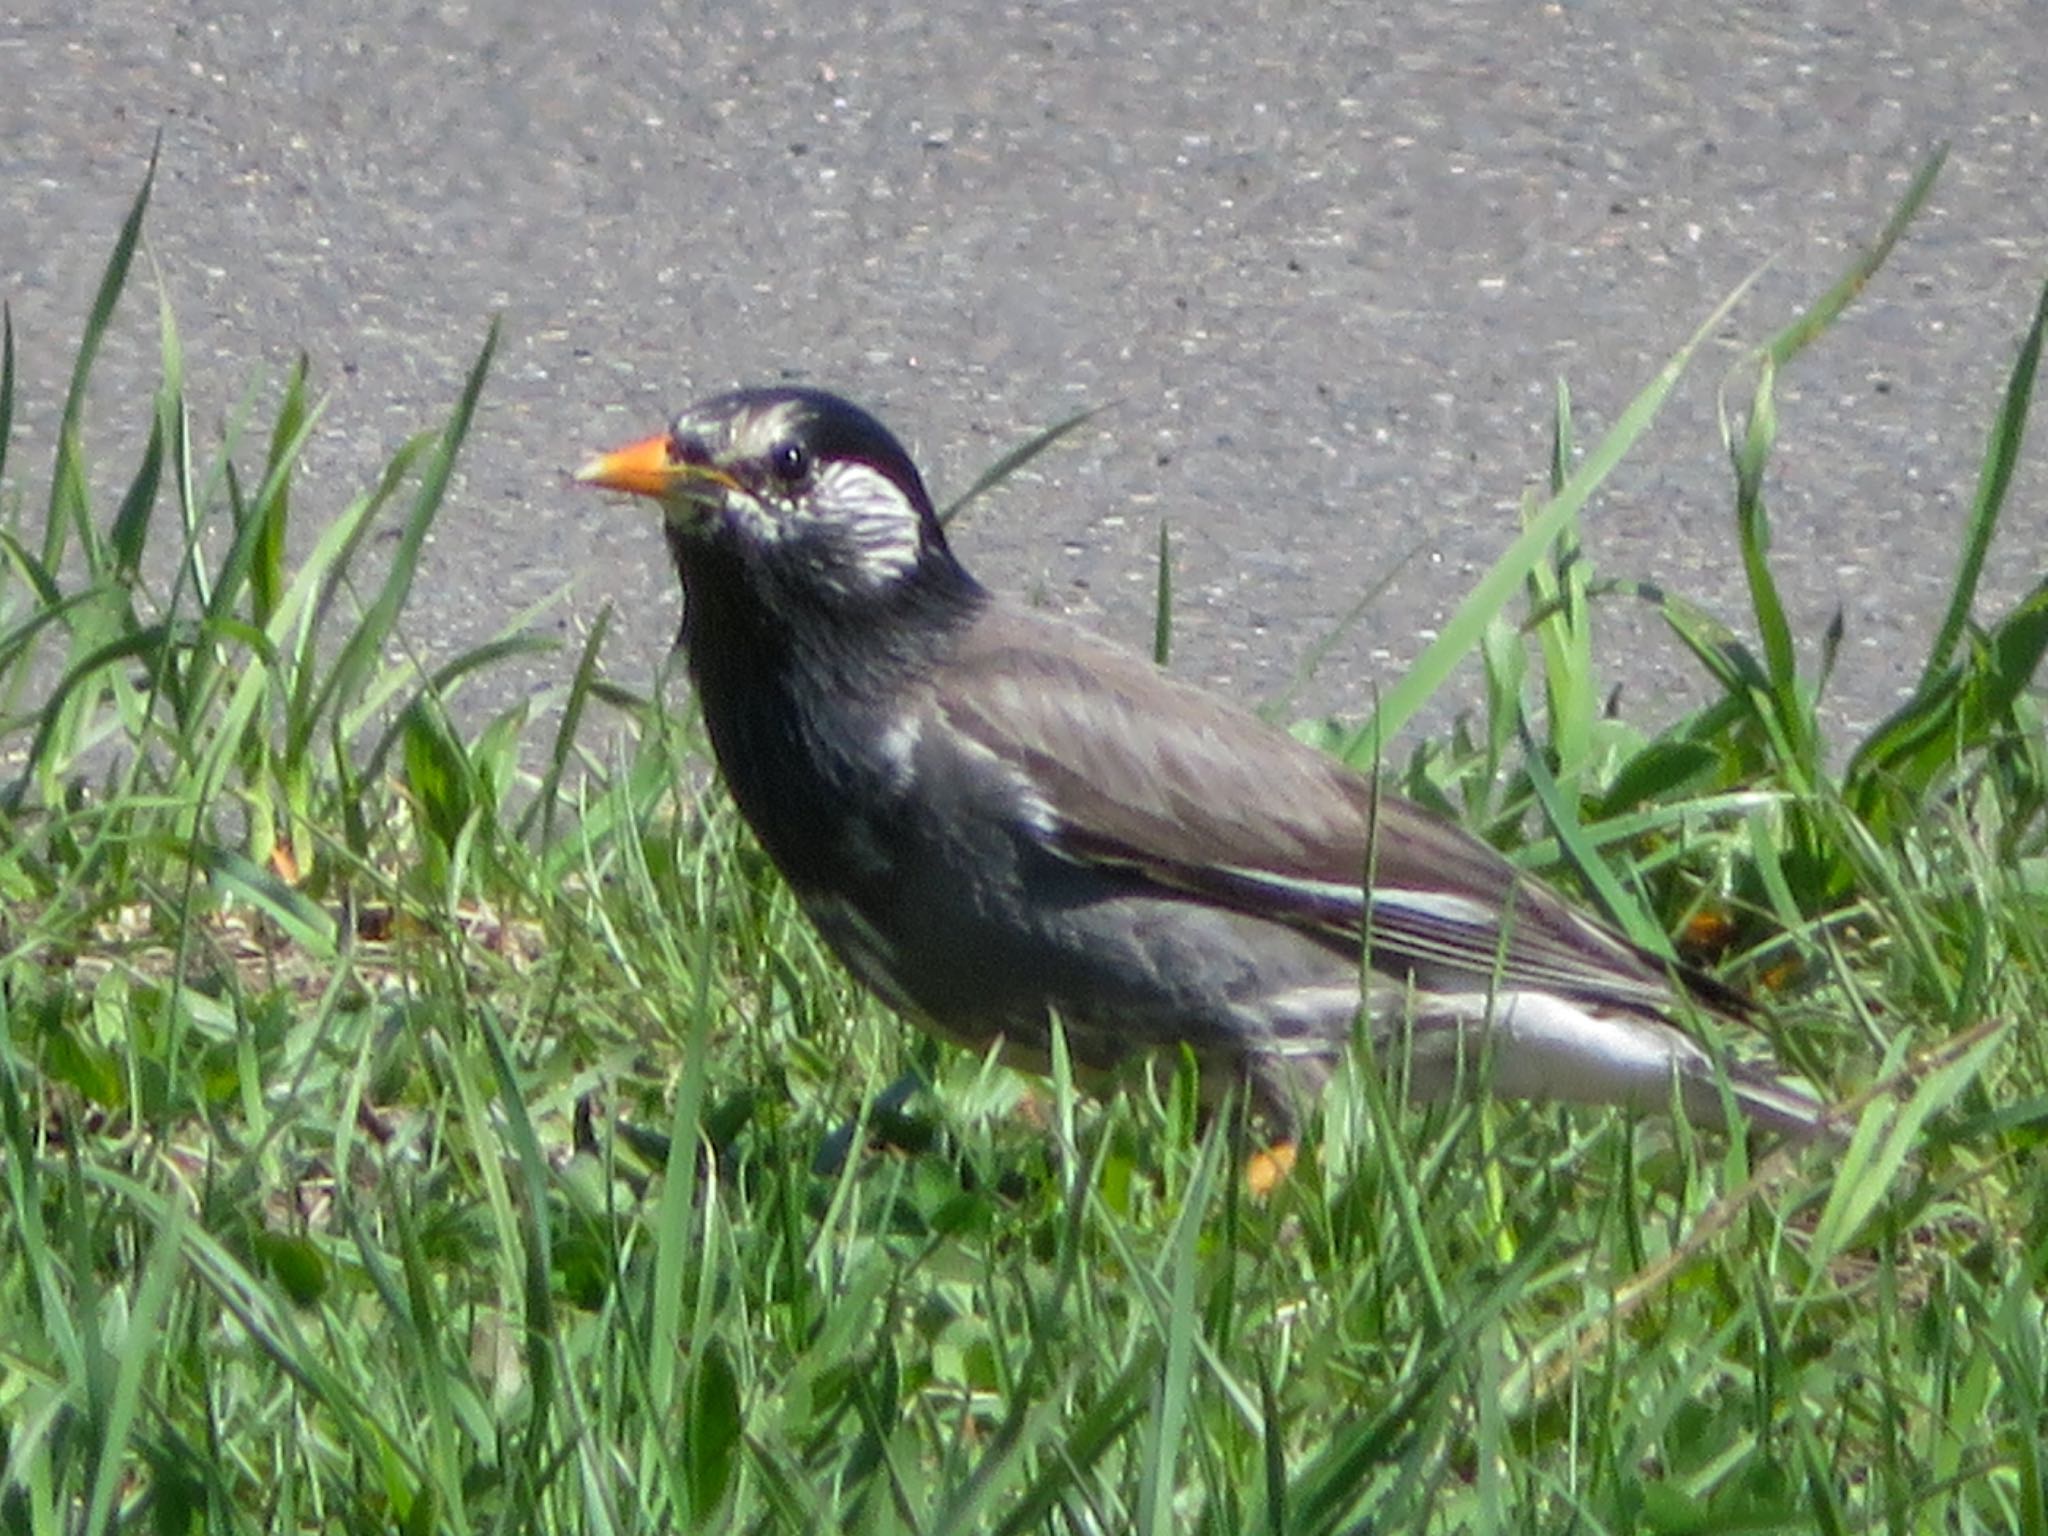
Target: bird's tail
(1537,1045)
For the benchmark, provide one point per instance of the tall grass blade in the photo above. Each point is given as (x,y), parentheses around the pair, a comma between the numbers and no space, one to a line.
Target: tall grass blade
(561,752)
(132,522)
(1324,1494)
(667,1340)
(1560,812)
(273,503)
(1490,595)
(1562,622)
(1753,538)
(50,605)
(1171,1405)
(2017,1343)
(30,1204)
(304,921)
(1960,702)
(1015,460)
(539,1319)
(1883,1141)
(115,1459)
(132,519)
(1825,310)
(1162,606)
(44,760)
(1276,708)
(254,561)
(6,385)
(359,655)
(2001,455)
(312,691)
(98,318)
(440,685)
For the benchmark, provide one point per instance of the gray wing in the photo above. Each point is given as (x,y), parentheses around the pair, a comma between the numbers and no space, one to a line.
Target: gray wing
(1137,770)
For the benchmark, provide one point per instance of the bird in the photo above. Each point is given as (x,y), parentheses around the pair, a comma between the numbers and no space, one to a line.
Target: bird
(1003,824)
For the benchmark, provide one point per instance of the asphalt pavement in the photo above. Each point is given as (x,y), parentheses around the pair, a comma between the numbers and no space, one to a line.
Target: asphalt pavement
(1324,264)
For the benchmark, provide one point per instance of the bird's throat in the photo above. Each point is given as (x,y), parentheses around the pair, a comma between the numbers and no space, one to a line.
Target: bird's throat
(792,697)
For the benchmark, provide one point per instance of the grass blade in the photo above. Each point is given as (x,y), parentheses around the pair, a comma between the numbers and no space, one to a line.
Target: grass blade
(1825,310)
(1507,574)
(1015,460)
(2001,455)
(345,683)
(1753,537)
(6,385)
(131,521)
(1162,607)
(1170,1403)
(1958,703)
(112,280)
(547,799)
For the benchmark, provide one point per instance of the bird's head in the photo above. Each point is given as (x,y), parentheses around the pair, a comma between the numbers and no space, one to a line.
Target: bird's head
(808,495)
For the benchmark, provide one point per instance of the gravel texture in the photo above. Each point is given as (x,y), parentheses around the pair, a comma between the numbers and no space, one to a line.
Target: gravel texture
(1324,263)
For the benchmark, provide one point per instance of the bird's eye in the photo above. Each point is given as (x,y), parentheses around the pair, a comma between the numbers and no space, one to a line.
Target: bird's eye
(792,465)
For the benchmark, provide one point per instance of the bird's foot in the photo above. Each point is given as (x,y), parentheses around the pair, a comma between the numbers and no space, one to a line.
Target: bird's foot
(1264,1169)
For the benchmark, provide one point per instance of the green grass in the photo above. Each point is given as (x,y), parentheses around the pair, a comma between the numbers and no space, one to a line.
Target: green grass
(421,1125)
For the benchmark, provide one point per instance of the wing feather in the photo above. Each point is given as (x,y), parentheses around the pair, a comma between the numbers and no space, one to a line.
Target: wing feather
(1153,776)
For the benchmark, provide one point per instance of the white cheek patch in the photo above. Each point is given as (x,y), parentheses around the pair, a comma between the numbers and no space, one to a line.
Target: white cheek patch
(866,515)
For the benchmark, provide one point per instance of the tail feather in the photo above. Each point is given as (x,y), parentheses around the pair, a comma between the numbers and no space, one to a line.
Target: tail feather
(1537,1045)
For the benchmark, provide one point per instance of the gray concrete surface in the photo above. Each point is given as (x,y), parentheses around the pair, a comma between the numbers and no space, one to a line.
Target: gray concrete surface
(1327,259)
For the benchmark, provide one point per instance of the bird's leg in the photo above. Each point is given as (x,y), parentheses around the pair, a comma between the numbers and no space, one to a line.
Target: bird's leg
(1277,1091)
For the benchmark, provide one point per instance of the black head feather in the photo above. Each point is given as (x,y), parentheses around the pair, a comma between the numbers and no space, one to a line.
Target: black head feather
(813,500)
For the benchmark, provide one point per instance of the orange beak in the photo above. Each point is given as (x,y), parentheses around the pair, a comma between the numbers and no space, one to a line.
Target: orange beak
(642,469)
